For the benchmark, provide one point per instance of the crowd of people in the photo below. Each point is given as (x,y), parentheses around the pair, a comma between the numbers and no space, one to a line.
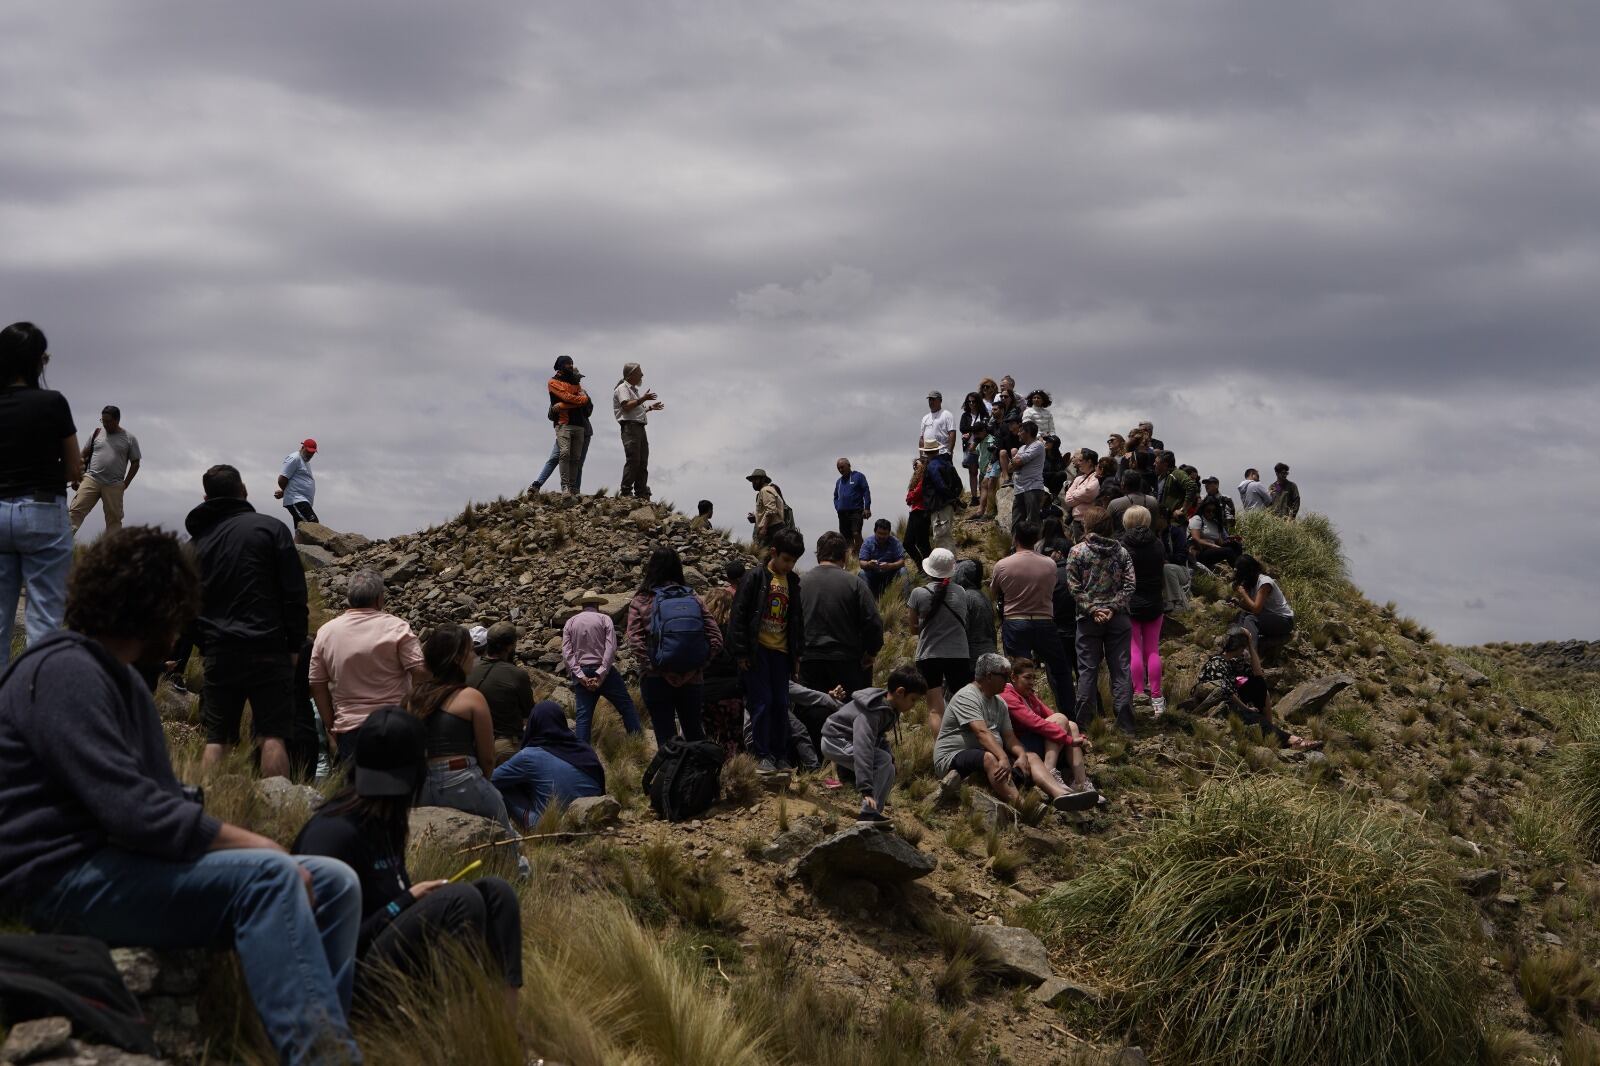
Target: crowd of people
(98,836)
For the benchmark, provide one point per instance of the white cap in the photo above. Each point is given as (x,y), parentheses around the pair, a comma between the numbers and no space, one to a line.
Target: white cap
(480,637)
(940,563)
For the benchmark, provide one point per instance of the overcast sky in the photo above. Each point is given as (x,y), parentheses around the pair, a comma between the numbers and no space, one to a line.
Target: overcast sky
(1360,237)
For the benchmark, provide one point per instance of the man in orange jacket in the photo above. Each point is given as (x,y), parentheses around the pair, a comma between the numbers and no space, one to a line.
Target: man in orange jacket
(570,408)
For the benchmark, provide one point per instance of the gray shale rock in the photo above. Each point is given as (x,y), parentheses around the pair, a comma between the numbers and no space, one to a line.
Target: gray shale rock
(35,1040)
(870,854)
(1013,955)
(1310,697)
(593,812)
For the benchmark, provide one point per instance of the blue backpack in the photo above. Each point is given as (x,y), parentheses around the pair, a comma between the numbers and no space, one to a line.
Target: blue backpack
(678,642)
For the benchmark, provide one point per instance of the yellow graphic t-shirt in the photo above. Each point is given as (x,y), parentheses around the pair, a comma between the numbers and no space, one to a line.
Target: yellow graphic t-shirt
(775,616)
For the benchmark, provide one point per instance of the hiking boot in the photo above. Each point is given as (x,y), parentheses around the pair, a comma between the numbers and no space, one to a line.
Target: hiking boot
(766,766)
(1158,706)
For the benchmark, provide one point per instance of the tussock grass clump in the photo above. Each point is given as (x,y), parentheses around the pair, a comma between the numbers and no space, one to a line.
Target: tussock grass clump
(1556,984)
(1306,558)
(1578,776)
(1266,924)
(741,784)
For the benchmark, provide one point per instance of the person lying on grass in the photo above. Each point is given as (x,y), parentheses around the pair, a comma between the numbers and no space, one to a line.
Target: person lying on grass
(856,738)
(976,736)
(365,826)
(1046,733)
(1235,672)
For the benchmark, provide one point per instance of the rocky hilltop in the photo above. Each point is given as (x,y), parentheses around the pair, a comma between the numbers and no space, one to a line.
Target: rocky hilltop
(523,559)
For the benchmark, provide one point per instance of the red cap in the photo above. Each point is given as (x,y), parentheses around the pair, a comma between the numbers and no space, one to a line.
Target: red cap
(309,445)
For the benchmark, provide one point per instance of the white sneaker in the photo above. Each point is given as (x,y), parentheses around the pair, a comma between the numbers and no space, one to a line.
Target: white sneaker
(1158,706)
(1059,779)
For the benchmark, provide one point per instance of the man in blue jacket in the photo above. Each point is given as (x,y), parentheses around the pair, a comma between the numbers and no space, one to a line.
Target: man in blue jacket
(852,498)
(98,838)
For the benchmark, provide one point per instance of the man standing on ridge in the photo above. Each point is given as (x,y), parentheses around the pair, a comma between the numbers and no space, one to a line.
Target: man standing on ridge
(1252,493)
(110,462)
(252,621)
(296,487)
(1285,494)
(852,500)
(768,515)
(631,408)
(570,408)
(938,425)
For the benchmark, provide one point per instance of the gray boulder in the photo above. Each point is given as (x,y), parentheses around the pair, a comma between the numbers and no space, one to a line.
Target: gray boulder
(994,812)
(1013,955)
(281,794)
(1058,992)
(1473,678)
(870,854)
(452,830)
(1310,697)
(403,569)
(593,812)
(1479,883)
(314,557)
(35,1040)
(804,834)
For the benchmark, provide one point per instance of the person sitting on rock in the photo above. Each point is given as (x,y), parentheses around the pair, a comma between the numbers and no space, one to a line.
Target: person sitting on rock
(1209,542)
(365,826)
(976,737)
(1235,674)
(1046,733)
(882,557)
(856,738)
(589,650)
(767,633)
(1264,611)
(459,731)
(554,765)
(671,694)
(98,838)
(504,684)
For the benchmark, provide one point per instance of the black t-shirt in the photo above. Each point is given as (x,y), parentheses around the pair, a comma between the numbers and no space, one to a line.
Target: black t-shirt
(509,693)
(385,882)
(33,423)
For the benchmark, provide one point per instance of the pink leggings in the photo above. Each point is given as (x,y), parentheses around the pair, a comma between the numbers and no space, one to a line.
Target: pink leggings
(1145,656)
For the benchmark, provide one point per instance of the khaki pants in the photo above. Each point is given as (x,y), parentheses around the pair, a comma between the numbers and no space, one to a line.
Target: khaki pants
(89,493)
(636,460)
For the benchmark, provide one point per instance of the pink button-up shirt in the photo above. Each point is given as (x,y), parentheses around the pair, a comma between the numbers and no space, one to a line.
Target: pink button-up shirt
(588,639)
(366,656)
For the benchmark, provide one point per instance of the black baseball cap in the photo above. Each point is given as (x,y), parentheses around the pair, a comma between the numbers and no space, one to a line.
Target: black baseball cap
(563,361)
(391,753)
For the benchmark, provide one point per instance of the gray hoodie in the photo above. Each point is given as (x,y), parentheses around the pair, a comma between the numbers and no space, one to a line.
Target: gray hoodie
(862,724)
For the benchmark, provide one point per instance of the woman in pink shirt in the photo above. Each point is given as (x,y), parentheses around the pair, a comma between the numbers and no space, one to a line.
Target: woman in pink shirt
(1047,733)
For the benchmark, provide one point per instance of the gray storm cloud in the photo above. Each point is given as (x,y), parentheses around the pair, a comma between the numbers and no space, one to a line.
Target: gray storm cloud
(1359,237)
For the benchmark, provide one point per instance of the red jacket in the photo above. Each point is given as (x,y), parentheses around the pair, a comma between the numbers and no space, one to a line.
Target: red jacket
(1031,714)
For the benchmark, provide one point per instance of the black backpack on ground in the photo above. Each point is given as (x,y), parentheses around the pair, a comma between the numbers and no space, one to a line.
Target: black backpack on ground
(684,779)
(44,976)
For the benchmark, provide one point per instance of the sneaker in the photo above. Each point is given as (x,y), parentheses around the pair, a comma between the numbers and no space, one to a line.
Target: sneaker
(1083,800)
(766,766)
(832,784)
(1158,706)
(1059,779)
(873,819)
(784,766)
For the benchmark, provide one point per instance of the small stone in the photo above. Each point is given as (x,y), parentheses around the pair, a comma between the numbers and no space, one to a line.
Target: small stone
(950,788)
(139,968)
(593,812)
(1465,847)
(1506,899)
(803,834)
(994,812)
(37,1039)
(1131,1056)
(1550,938)
(1310,697)
(1473,678)
(315,558)
(1480,883)
(281,795)
(1058,992)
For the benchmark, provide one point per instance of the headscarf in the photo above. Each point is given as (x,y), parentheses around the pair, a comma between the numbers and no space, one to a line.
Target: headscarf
(547,729)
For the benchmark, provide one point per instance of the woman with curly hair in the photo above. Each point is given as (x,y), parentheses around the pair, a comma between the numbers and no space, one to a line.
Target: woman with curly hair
(974,431)
(1038,412)
(39,458)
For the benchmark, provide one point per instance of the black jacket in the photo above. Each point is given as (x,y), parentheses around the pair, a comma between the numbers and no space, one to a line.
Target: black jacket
(750,602)
(253,588)
(1149,587)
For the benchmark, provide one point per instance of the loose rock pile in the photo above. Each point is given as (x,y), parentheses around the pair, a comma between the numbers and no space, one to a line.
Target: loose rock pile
(524,559)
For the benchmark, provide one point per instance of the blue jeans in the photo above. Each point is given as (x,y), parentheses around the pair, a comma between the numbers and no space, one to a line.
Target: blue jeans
(550,464)
(468,790)
(36,551)
(1040,640)
(612,688)
(670,707)
(766,696)
(533,777)
(298,958)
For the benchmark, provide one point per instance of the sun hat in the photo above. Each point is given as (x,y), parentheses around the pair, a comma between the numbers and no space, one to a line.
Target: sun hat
(929,447)
(758,474)
(940,563)
(591,596)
